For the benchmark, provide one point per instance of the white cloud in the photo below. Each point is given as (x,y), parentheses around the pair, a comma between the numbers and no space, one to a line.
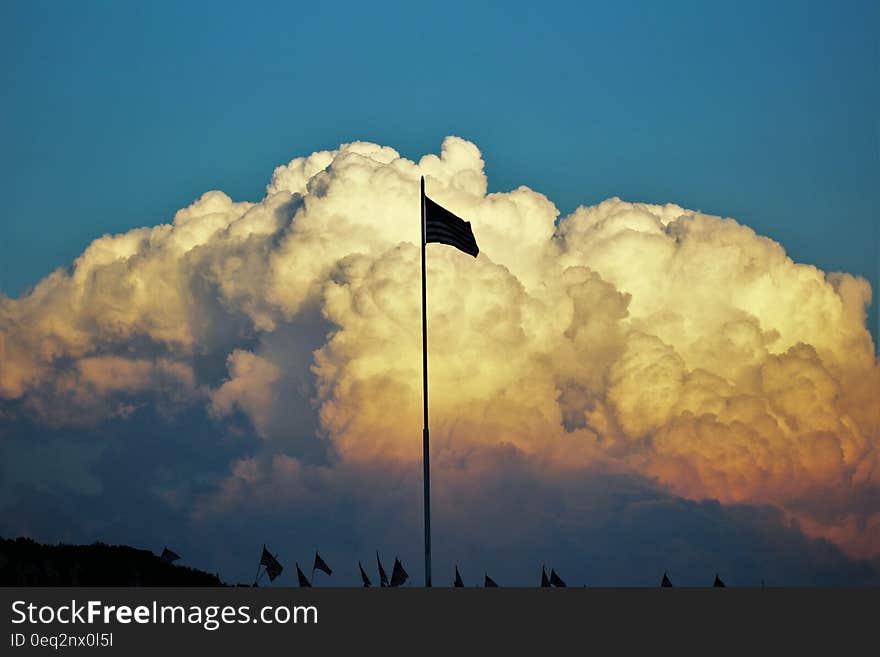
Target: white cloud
(673,344)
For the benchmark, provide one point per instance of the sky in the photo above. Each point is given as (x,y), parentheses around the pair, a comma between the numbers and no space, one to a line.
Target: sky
(224,384)
(118,113)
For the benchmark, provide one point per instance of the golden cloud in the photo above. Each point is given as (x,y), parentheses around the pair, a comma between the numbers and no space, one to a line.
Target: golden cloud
(673,344)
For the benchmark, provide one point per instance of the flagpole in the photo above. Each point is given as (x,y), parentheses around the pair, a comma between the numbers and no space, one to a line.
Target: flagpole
(426,463)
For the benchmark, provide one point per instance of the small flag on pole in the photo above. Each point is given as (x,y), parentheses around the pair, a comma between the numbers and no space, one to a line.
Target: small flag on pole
(555,579)
(169,556)
(364,578)
(445,228)
(398,574)
(321,565)
(718,583)
(301,577)
(489,583)
(545,582)
(458,583)
(273,566)
(665,583)
(383,578)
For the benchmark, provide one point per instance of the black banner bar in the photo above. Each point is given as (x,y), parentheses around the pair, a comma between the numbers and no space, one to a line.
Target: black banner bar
(240,621)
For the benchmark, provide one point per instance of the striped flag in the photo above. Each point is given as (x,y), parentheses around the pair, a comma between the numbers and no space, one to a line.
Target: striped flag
(383,578)
(273,566)
(321,565)
(364,578)
(443,227)
(302,579)
(555,579)
(398,574)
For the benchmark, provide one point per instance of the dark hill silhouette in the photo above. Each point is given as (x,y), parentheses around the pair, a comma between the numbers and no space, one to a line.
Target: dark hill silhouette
(24,562)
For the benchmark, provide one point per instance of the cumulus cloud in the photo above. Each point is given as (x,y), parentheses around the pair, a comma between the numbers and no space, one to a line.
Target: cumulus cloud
(624,338)
(252,388)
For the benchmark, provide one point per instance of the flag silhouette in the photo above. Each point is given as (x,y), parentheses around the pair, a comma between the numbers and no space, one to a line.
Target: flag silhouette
(445,228)
(383,578)
(169,556)
(718,583)
(273,566)
(321,565)
(457,583)
(545,583)
(489,583)
(555,579)
(364,578)
(398,574)
(301,577)
(665,583)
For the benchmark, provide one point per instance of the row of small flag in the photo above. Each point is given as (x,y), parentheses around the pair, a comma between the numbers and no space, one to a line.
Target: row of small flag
(272,567)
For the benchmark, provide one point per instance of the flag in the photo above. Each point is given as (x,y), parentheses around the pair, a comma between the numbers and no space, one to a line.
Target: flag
(545,583)
(489,583)
(383,578)
(273,566)
(169,556)
(718,583)
(555,579)
(364,578)
(321,565)
(301,577)
(444,227)
(398,574)
(665,583)
(457,583)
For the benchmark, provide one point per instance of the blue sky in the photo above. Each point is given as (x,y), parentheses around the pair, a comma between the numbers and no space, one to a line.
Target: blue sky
(118,113)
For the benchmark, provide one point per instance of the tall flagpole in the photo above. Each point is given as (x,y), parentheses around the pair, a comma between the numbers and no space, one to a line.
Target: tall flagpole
(426,460)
